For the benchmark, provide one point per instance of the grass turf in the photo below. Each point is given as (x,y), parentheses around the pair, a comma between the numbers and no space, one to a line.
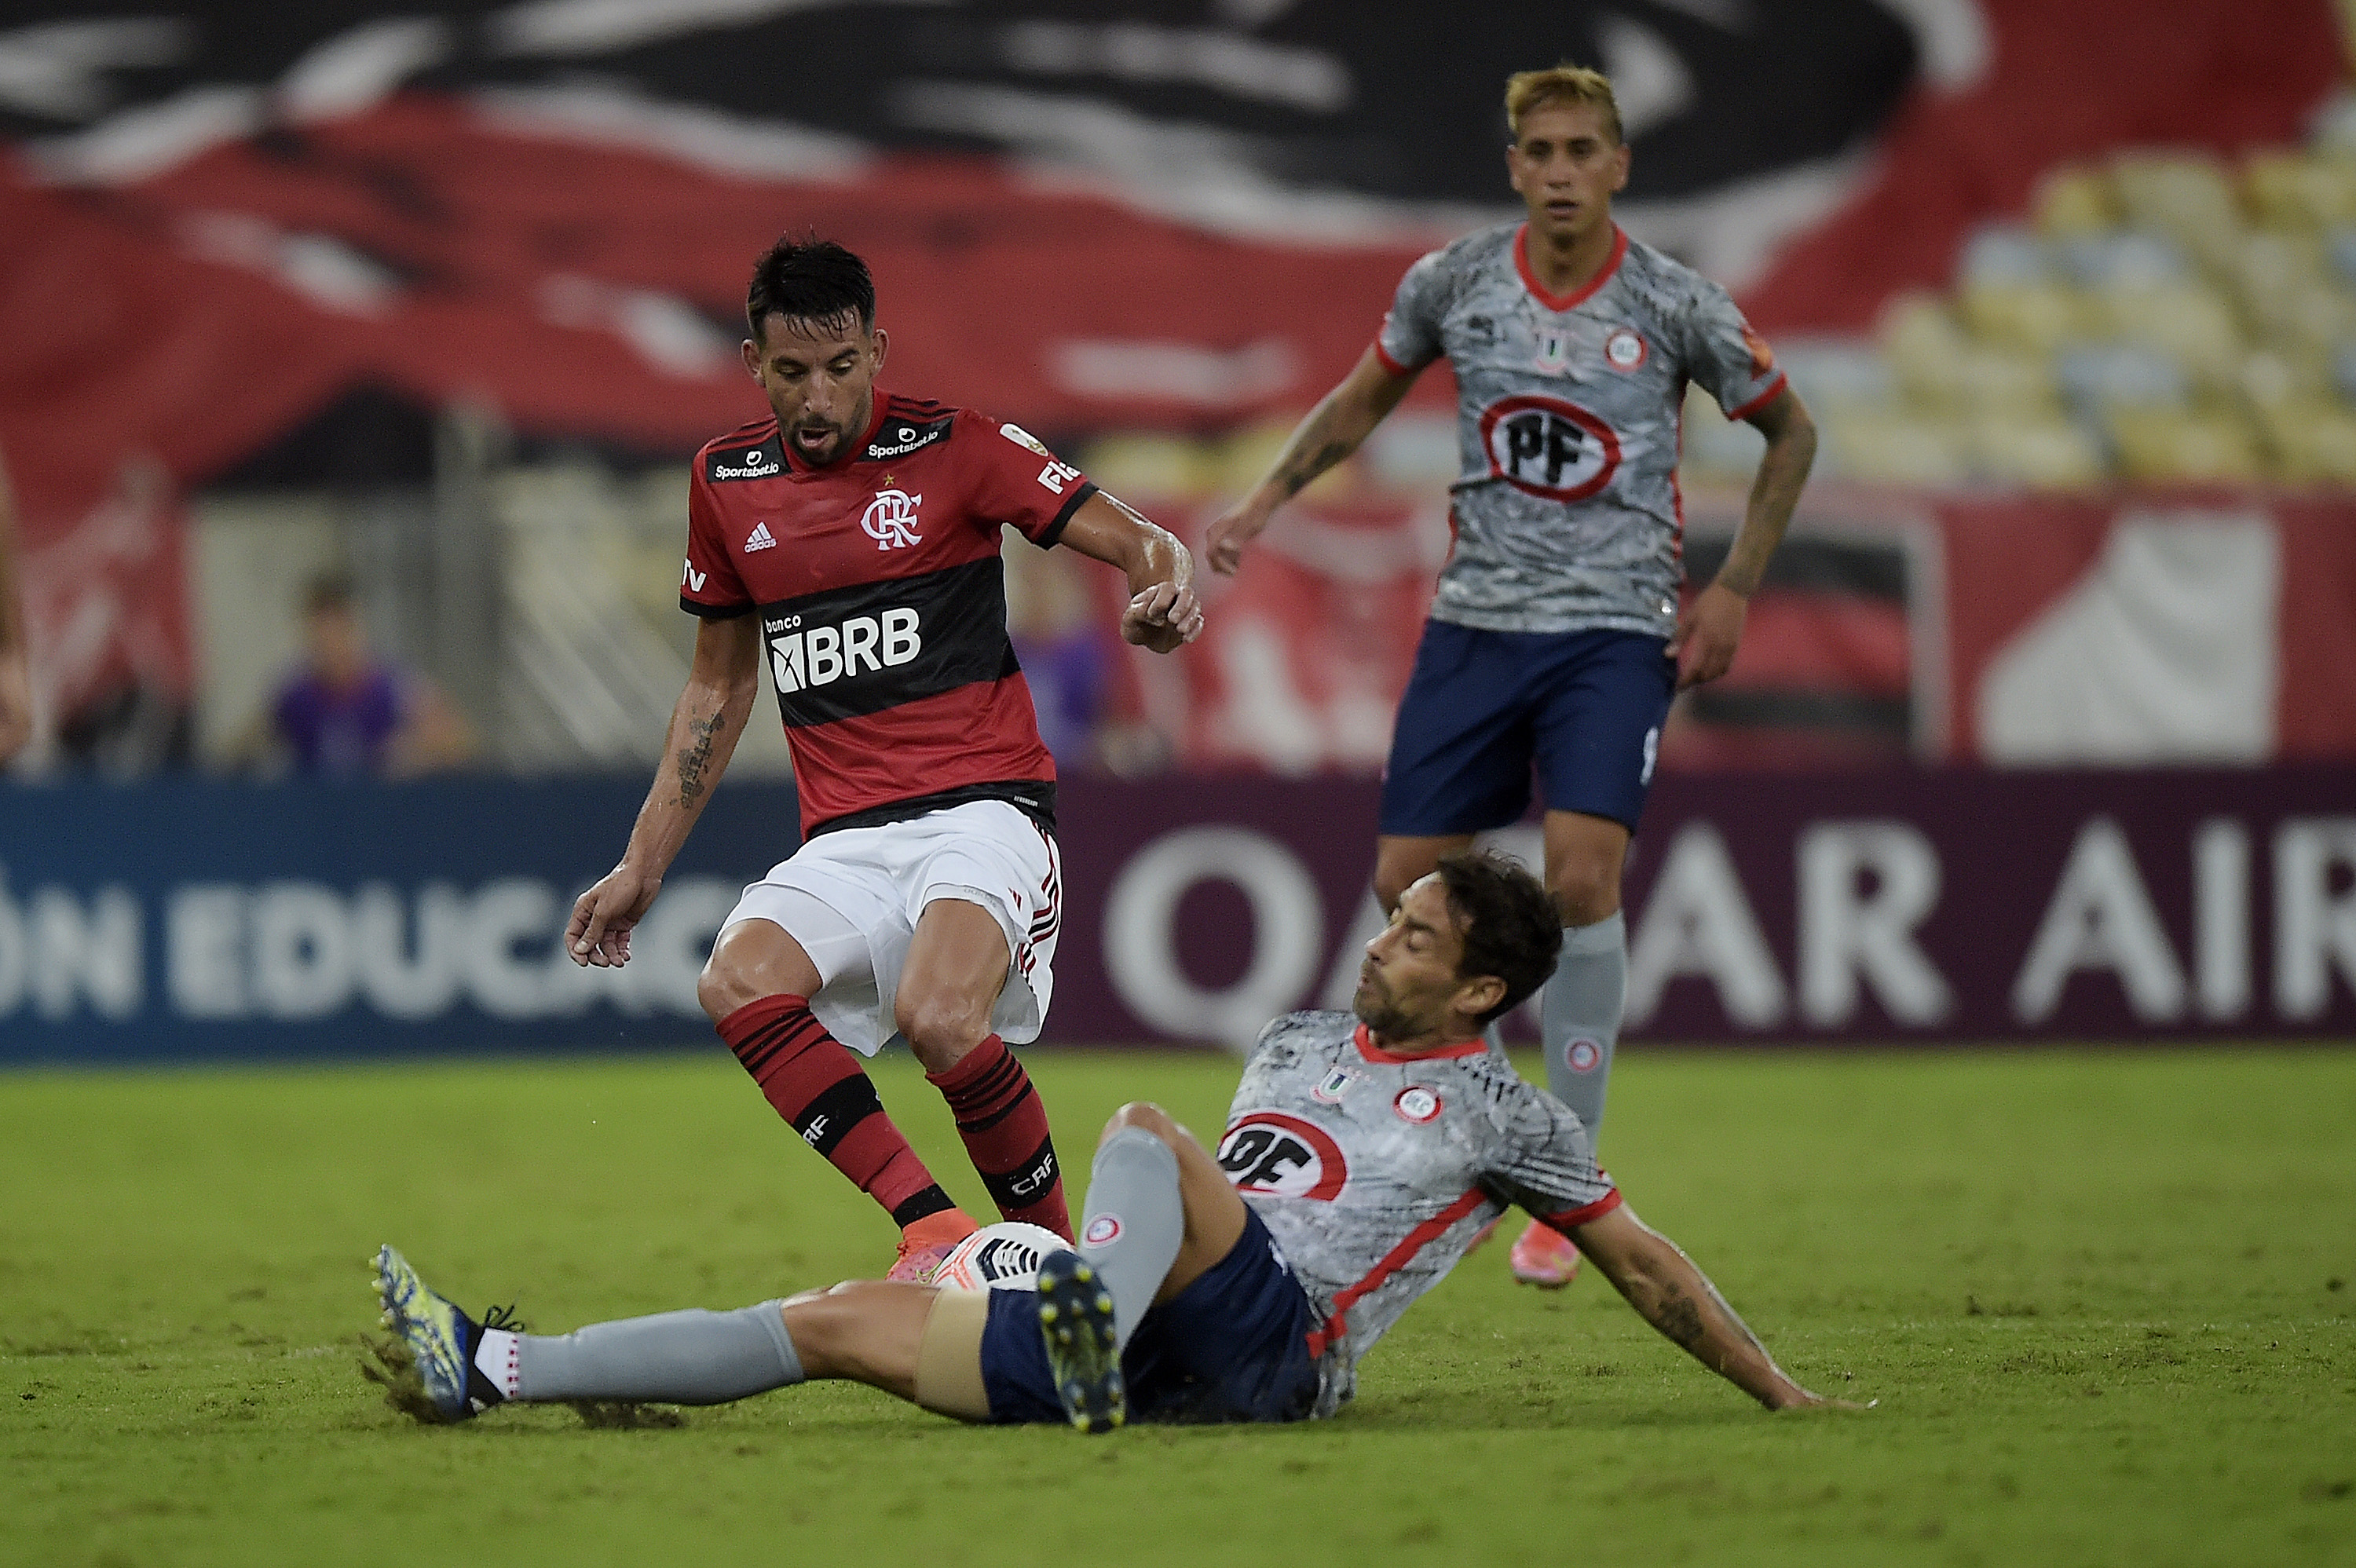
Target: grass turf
(2101,1298)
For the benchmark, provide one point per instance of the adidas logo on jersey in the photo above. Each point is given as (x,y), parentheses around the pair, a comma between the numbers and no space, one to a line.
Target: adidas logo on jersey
(804,657)
(759,539)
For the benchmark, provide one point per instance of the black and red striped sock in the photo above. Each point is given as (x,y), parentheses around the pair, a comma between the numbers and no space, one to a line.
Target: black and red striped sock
(1005,1130)
(817,1085)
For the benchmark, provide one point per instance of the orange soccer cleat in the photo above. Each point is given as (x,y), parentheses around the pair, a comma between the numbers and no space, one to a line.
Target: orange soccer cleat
(924,1244)
(1545,1257)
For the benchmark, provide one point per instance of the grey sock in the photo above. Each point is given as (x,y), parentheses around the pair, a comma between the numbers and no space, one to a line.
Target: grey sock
(1135,1210)
(672,1358)
(1580,1023)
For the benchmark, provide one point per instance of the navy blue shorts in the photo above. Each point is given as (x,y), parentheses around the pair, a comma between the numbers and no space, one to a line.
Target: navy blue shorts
(1586,707)
(1233,1346)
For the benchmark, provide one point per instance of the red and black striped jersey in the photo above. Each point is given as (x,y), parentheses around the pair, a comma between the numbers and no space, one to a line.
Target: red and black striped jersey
(883,603)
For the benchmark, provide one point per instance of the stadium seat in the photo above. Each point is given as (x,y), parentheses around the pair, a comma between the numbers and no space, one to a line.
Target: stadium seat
(2074,200)
(2002,254)
(2187,196)
(2174,447)
(2036,317)
(1834,372)
(2340,246)
(2271,377)
(2096,377)
(1140,464)
(2192,326)
(2310,444)
(2300,190)
(2343,371)
(2050,453)
(2267,262)
(2124,259)
(1895,449)
(2313,316)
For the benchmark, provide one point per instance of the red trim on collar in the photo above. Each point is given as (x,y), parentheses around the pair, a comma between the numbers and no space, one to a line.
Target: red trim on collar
(1566,302)
(1373,1052)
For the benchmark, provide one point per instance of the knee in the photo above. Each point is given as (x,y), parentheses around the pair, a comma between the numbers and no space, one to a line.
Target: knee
(718,989)
(940,1029)
(1148,1116)
(1395,873)
(1586,891)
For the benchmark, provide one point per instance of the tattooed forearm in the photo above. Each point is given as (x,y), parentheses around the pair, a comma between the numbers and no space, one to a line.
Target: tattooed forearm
(1297,473)
(694,757)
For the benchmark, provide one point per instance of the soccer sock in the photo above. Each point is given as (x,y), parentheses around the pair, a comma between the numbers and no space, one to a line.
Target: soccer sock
(1134,1222)
(1581,1023)
(819,1086)
(1005,1130)
(672,1358)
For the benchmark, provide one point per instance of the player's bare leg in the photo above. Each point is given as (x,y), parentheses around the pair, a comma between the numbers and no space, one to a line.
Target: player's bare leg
(756,986)
(1401,861)
(956,964)
(1580,1021)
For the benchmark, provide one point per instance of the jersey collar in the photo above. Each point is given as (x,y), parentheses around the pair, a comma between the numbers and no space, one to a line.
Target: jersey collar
(1373,1052)
(1578,296)
(850,453)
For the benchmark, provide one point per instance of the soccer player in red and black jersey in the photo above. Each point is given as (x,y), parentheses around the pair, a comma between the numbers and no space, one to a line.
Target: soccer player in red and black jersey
(851,543)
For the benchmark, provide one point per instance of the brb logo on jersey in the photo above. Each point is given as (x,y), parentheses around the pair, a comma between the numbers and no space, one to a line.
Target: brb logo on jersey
(1268,1151)
(804,657)
(891,519)
(1549,448)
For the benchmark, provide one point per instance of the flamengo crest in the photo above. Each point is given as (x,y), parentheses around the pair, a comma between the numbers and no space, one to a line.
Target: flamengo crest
(891,519)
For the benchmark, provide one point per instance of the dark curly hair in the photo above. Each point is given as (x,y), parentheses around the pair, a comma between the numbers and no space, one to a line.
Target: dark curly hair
(811,279)
(1508,921)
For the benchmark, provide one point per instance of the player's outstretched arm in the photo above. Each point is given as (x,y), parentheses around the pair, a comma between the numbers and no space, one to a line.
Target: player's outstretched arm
(1163,612)
(1663,1284)
(705,727)
(1709,630)
(1331,431)
(15,667)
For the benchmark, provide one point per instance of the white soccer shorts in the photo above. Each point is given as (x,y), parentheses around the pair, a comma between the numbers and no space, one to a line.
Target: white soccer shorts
(851,898)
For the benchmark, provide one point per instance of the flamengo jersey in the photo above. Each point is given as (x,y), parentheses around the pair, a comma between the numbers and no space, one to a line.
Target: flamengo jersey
(883,603)
(1376,1172)
(1566,510)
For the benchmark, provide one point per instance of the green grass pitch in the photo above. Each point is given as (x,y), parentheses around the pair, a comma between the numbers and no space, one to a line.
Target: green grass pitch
(2103,1300)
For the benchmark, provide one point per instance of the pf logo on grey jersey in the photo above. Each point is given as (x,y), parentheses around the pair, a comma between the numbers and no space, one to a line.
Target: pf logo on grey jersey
(1549,447)
(1270,1151)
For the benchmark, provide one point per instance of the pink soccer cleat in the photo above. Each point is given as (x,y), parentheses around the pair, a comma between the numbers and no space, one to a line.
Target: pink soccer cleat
(1545,1257)
(924,1244)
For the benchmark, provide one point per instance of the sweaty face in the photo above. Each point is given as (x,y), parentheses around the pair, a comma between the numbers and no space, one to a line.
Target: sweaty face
(1567,168)
(820,380)
(1408,981)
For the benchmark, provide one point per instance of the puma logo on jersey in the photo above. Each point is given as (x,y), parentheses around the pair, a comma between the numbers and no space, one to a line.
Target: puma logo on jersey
(890,519)
(759,539)
(802,657)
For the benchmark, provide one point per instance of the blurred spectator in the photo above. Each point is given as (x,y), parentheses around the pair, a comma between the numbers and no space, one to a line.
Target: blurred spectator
(1060,639)
(16,672)
(344,711)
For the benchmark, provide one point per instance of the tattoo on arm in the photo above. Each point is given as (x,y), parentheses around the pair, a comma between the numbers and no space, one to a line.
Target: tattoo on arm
(1679,1316)
(1300,469)
(694,757)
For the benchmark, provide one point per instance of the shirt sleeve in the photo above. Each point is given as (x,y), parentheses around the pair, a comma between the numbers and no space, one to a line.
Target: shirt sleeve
(1409,338)
(1729,361)
(709,586)
(1544,1162)
(1017,481)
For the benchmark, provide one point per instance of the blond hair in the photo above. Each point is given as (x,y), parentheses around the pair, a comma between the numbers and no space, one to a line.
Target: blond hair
(1525,90)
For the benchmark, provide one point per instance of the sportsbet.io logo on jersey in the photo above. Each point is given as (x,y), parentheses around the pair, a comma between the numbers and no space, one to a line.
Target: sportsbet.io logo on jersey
(802,656)
(1549,447)
(1269,1151)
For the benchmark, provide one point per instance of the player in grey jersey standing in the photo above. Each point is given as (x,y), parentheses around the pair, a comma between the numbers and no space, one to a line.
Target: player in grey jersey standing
(1555,636)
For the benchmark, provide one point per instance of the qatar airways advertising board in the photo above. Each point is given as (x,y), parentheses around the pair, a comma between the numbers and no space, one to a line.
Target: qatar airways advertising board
(192,920)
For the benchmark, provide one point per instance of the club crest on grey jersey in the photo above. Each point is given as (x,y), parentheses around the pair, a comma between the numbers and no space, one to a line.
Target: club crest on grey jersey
(1565,505)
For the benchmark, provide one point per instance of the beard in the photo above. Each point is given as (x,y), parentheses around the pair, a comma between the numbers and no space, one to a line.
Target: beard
(1379,1011)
